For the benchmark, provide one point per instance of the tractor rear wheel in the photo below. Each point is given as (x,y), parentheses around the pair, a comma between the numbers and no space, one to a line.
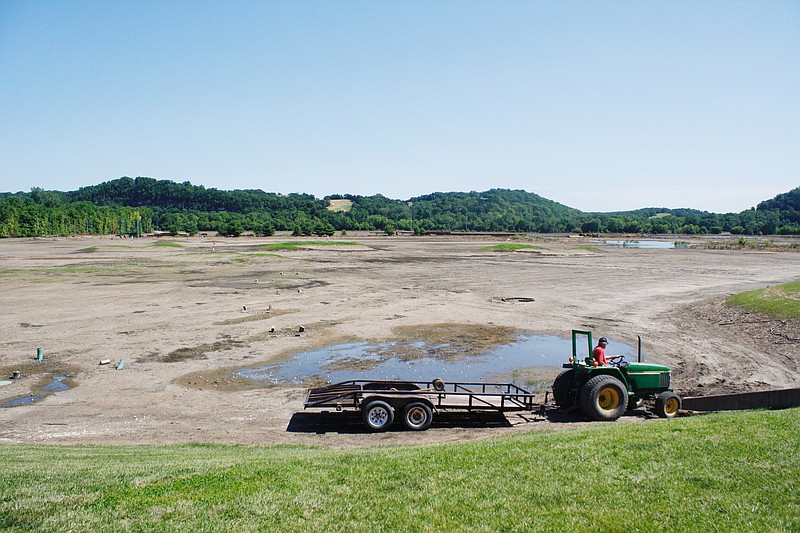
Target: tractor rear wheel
(604,397)
(561,388)
(668,404)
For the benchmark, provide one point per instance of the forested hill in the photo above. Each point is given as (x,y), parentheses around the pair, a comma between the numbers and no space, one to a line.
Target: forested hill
(149,192)
(499,208)
(787,204)
(141,205)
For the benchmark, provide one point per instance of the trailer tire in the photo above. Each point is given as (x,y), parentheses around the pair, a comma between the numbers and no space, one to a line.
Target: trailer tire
(438,384)
(417,416)
(561,388)
(668,404)
(604,397)
(378,415)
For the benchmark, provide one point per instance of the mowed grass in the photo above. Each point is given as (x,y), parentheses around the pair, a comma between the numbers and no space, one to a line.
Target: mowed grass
(510,247)
(294,245)
(781,301)
(721,472)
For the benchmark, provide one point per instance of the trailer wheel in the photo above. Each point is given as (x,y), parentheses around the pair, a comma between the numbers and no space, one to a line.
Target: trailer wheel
(378,415)
(438,384)
(668,404)
(561,387)
(417,416)
(604,397)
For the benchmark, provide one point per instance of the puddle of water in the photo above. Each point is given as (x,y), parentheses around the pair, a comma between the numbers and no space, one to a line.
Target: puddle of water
(56,385)
(364,360)
(26,400)
(650,244)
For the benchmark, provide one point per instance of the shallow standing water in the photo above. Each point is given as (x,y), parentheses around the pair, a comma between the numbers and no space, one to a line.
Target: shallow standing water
(54,386)
(649,244)
(365,360)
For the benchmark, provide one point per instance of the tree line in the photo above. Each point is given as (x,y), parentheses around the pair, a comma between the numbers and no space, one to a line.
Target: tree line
(135,206)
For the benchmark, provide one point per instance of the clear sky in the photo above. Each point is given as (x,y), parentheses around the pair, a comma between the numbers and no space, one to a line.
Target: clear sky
(602,106)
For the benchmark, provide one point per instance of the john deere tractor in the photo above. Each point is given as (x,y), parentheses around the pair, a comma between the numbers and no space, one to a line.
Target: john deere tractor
(605,392)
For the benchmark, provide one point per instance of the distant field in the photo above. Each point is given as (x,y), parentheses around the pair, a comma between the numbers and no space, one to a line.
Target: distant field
(506,247)
(721,472)
(340,205)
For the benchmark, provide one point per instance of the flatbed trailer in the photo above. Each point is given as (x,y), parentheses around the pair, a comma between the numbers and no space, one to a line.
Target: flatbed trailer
(416,402)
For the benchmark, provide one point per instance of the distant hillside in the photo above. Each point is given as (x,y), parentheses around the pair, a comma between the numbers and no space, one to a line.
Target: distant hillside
(136,205)
(786,204)
(660,211)
(150,192)
(492,210)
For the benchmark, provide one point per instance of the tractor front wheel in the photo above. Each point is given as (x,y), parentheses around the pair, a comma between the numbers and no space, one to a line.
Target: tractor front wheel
(604,397)
(668,404)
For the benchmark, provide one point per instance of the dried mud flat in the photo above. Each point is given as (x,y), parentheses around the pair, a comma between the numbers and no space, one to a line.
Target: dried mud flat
(184,319)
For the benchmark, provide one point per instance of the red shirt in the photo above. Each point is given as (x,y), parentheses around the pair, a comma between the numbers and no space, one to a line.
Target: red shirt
(600,355)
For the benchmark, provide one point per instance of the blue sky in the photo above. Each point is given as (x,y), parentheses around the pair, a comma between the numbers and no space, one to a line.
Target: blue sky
(602,106)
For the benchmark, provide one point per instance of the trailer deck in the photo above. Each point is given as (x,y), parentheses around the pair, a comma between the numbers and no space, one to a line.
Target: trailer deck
(379,400)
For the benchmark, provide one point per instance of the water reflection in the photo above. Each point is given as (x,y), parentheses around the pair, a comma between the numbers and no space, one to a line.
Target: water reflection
(25,400)
(57,384)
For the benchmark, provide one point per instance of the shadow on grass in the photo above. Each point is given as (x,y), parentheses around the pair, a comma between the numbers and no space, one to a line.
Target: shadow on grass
(557,416)
(349,422)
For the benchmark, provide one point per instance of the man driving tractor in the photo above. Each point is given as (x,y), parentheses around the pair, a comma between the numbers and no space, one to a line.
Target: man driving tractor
(599,353)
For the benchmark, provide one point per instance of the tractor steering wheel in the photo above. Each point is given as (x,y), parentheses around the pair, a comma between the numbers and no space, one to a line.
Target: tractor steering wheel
(616,360)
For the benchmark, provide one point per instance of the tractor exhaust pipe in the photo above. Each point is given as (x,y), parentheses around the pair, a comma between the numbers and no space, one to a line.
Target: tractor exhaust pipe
(640,359)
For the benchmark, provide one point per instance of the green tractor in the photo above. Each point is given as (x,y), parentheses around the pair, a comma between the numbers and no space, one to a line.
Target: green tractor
(605,392)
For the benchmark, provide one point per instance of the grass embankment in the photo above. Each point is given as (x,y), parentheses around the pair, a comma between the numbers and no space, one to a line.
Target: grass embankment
(781,302)
(511,247)
(721,472)
(294,245)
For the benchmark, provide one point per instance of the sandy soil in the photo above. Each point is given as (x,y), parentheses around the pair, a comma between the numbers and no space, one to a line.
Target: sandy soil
(183,319)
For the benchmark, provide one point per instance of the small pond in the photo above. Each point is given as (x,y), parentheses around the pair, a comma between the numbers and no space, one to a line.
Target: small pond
(390,360)
(650,244)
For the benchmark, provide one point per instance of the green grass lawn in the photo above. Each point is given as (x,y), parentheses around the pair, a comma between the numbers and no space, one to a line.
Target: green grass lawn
(720,472)
(510,247)
(781,301)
